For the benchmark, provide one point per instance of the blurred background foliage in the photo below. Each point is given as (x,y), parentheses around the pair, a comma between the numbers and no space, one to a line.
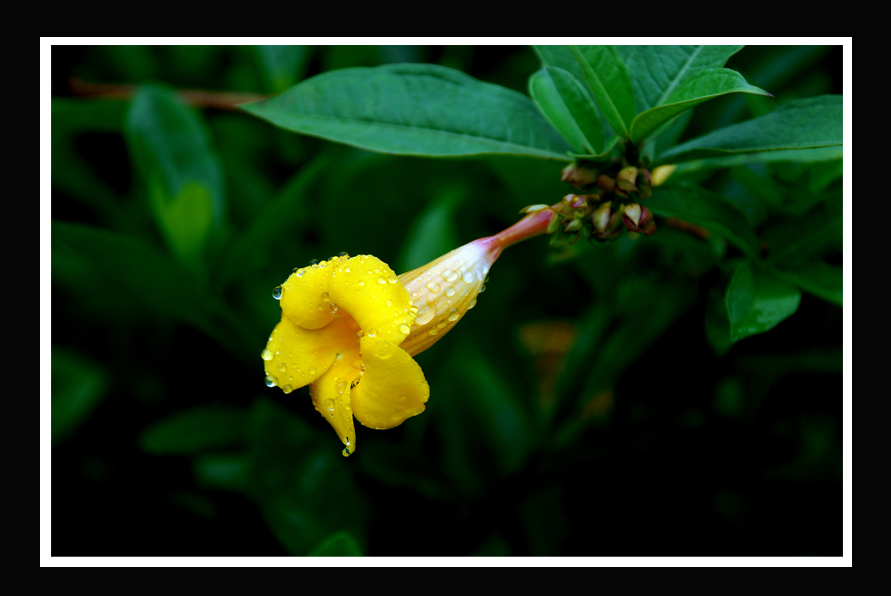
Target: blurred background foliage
(592,404)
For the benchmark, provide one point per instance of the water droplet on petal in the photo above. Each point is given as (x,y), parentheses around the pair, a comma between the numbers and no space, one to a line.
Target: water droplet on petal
(425,317)
(371,333)
(347,269)
(467,277)
(381,280)
(434,331)
(433,287)
(329,404)
(277,292)
(450,291)
(301,273)
(344,255)
(482,288)
(472,304)
(404,328)
(287,389)
(314,262)
(271,381)
(282,367)
(266,354)
(453,314)
(346,452)
(312,370)
(449,275)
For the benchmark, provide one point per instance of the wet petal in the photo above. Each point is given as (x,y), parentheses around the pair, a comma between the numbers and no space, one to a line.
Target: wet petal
(331,396)
(295,357)
(444,290)
(370,292)
(305,301)
(393,387)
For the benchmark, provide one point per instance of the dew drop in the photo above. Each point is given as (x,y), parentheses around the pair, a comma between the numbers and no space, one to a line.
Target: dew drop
(449,275)
(433,287)
(482,289)
(340,386)
(287,389)
(392,279)
(389,303)
(277,292)
(467,277)
(312,370)
(266,354)
(381,280)
(434,331)
(371,333)
(404,328)
(314,262)
(442,324)
(415,294)
(450,291)
(329,404)
(271,381)
(453,314)
(347,269)
(361,282)
(472,304)
(425,317)
(282,367)
(344,255)
(301,273)
(346,452)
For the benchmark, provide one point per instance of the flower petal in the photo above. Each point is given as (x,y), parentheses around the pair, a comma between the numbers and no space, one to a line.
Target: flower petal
(444,290)
(370,292)
(295,357)
(393,387)
(305,301)
(331,396)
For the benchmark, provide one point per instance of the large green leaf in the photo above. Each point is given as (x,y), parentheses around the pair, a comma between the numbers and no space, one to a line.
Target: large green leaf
(757,300)
(709,210)
(414,109)
(606,75)
(657,71)
(699,88)
(800,124)
(818,278)
(172,152)
(567,106)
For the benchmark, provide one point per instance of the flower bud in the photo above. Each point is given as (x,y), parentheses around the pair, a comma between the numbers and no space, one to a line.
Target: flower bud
(601,217)
(661,174)
(627,178)
(606,183)
(632,212)
(578,175)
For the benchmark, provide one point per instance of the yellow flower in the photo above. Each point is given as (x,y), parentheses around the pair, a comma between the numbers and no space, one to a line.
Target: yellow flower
(350,327)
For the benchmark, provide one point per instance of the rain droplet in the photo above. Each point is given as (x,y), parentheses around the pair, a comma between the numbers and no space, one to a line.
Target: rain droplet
(346,452)
(326,298)
(361,282)
(381,280)
(340,386)
(347,269)
(434,331)
(329,404)
(287,389)
(312,370)
(433,287)
(314,262)
(347,441)
(449,275)
(371,333)
(453,314)
(482,289)
(467,277)
(389,303)
(425,317)
(404,328)
(301,273)
(344,255)
(266,354)
(392,279)
(271,381)
(450,291)
(282,367)
(277,292)
(472,304)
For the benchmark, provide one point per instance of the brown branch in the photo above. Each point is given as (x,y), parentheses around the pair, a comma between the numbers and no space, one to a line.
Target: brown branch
(216,100)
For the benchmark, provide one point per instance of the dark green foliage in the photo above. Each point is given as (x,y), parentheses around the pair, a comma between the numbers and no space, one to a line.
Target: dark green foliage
(673,394)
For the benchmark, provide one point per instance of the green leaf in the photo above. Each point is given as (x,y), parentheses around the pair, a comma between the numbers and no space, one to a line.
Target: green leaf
(758,300)
(195,430)
(172,152)
(568,107)
(699,88)
(338,544)
(709,210)
(414,109)
(818,278)
(606,75)
(78,384)
(657,71)
(800,124)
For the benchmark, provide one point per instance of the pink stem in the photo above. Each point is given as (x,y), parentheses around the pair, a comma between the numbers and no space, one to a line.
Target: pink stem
(530,226)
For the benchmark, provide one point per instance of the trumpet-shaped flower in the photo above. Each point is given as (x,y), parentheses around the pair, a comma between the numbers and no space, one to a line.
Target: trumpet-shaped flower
(350,327)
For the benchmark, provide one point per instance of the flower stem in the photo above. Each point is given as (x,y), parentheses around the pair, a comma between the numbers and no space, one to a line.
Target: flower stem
(530,226)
